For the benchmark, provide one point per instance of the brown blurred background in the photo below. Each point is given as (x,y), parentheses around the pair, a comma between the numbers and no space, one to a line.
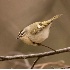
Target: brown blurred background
(17,14)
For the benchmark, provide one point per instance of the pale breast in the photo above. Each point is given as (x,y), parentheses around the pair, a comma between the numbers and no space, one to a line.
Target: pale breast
(26,40)
(41,36)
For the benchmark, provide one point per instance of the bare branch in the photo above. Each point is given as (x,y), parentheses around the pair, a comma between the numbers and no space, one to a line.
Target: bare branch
(60,63)
(35,62)
(67,67)
(4,58)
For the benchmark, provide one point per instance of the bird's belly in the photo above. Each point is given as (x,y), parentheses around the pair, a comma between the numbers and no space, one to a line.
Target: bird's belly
(26,40)
(40,37)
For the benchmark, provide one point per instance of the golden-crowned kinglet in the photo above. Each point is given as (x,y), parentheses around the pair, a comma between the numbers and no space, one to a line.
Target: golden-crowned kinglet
(36,32)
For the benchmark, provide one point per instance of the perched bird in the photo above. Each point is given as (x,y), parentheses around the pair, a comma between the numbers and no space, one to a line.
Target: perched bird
(36,33)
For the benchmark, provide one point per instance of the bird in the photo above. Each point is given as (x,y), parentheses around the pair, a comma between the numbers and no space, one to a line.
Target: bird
(37,32)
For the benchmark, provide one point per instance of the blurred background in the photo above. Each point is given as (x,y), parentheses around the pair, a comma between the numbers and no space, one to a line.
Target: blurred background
(17,14)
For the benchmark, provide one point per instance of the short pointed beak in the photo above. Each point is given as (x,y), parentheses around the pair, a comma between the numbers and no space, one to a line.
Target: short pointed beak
(17,38)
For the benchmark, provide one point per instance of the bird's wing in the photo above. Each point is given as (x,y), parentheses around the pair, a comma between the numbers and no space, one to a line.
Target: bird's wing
(39,26)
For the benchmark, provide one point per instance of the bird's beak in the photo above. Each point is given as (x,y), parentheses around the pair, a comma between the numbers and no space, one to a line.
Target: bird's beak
(17,38)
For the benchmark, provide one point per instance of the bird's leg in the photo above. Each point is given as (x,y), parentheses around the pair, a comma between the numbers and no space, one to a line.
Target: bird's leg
(39,44)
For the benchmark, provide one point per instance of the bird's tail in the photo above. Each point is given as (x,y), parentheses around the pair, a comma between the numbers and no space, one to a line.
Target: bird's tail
(55,17)
(51,20)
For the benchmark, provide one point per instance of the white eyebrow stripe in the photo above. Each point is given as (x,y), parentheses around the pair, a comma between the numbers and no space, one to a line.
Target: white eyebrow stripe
(39,26)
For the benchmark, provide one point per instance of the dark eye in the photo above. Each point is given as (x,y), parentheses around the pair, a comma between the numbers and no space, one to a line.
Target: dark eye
(21,33)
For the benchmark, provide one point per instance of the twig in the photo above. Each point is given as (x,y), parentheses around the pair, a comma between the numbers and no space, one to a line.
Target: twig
(58,63)
(25,62)
(35,62)
(4,58)
(68,67)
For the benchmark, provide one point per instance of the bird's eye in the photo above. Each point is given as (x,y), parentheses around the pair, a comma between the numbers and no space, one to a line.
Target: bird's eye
(21,33)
